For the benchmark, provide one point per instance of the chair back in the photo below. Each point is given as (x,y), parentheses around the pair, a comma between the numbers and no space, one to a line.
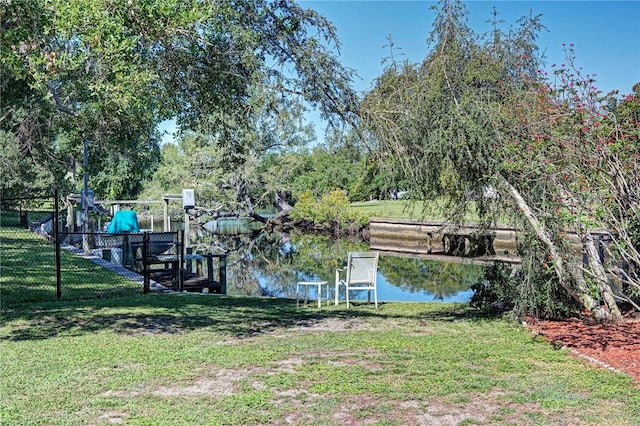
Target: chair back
(362,268)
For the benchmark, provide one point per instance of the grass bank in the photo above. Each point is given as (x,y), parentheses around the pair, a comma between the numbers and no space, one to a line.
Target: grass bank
(405,209)
(395,209)
(186,359)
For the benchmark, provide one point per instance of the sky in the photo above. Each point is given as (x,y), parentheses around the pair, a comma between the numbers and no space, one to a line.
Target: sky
(605,34)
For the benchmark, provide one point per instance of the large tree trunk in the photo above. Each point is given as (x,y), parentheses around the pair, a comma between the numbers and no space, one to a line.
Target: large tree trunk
(601,275)
(581,292)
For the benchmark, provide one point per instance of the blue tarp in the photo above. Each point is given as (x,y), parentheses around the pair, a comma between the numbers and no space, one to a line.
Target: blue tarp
(124,221)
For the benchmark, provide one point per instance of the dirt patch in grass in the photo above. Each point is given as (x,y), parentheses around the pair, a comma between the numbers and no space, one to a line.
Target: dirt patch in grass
(223,383)
(614,346)
(340,324)
(114,417)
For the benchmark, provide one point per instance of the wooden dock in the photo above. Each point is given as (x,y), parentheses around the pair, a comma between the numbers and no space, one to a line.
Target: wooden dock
(191,282)
(197,276)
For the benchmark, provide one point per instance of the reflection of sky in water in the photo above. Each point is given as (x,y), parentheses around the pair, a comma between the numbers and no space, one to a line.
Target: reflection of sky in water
(386,293)
(390,293)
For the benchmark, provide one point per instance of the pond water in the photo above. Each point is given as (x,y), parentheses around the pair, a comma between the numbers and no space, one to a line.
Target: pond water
(271,265)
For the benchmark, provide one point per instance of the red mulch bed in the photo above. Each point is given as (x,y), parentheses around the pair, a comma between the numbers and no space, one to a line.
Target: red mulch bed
(613,345)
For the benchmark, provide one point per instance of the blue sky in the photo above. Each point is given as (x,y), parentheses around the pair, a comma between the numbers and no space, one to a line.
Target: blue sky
(605,34)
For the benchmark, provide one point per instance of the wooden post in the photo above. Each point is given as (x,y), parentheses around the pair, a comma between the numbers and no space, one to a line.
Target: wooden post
(210,268)
(127,258)
(24,217)
(189,264)
(187,230)
(222,270)
(71,220)
(167,223)
(222,273)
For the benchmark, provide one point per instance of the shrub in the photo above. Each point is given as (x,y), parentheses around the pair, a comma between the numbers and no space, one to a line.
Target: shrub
(535,292)
(332,210)
(494,289)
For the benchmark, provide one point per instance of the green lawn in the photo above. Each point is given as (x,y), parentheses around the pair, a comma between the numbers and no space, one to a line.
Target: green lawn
(399,209)
(405,209)
(187,359)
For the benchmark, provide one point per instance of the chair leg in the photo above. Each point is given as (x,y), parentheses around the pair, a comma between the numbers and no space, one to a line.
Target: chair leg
(347,292)
(375,296)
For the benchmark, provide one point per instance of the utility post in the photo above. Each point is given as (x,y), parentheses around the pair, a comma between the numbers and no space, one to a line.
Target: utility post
(85,198)
(188,203)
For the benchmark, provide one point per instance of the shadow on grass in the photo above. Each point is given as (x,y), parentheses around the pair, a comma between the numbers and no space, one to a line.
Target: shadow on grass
(237,317)
(155,314)
(460,312)
(24,279)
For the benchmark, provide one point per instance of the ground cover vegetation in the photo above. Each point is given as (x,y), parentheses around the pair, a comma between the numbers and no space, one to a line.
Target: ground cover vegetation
(195,359)
(202,359)
(478,120)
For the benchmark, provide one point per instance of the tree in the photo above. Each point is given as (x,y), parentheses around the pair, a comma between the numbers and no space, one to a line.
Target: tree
(243,175)
(110,71)
(445,125)
(579,149)
(620,213)
(321,171)
(72,73)
(21,178)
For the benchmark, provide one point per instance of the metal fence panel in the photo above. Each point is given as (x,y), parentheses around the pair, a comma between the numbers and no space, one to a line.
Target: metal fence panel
(40,263)
(108,265)
(27,251)
(85,274)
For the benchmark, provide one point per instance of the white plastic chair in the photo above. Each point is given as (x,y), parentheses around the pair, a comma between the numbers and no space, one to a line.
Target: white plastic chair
(361,272)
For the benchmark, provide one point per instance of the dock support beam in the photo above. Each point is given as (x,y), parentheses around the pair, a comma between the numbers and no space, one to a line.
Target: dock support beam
(222,270)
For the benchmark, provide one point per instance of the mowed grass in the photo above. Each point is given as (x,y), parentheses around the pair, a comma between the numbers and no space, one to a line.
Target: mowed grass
(405,209)
(397,209)
(184,359)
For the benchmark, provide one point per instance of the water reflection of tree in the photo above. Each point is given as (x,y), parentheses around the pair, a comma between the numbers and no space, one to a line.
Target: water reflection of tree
(303,257)
(260,260)
(442,279)
(242,276)
(261,264)
(317,257)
